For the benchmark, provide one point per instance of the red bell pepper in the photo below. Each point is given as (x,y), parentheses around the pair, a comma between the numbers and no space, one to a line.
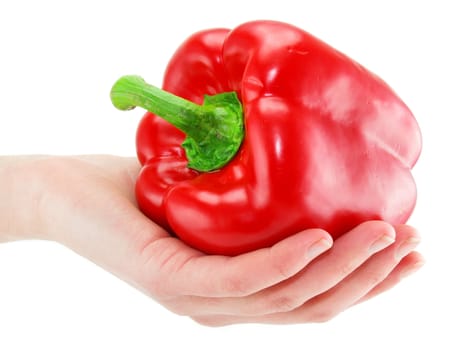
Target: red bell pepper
(326,142)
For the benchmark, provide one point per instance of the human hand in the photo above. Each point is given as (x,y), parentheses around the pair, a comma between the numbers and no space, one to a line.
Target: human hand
(89,206)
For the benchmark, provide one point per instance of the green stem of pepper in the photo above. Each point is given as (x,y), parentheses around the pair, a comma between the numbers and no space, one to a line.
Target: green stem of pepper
(214,130)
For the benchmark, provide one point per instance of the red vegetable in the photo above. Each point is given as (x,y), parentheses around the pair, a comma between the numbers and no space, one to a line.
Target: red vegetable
(326,142)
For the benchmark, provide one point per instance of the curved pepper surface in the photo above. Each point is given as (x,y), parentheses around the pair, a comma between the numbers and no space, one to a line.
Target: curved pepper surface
(327,143)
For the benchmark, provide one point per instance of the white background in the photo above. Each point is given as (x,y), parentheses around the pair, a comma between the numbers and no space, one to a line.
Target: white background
(58,60)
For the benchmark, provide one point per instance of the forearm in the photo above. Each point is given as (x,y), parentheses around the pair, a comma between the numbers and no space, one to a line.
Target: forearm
(21,195)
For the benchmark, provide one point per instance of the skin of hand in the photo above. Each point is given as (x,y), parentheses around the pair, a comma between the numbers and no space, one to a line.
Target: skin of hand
(87,204)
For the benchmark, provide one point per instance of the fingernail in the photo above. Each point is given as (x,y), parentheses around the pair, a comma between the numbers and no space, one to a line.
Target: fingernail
(319,247)
(412,269)
(381,243)
(407,246)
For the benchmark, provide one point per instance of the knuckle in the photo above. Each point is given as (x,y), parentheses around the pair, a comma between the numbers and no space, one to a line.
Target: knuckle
(283,268)
(283,303)
(235,286)
(210,321)
(189,305)
(157,286)
(374,278)
(323,316)
(280,264)
(347,268)
(178,309)
(154,288)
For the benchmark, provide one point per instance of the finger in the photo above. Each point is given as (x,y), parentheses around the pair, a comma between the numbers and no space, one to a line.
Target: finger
(339,298)
(364,281)
(185,272)
(408,265)
(348,253)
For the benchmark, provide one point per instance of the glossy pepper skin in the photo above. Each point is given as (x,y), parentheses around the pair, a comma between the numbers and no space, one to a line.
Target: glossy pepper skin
(327,143)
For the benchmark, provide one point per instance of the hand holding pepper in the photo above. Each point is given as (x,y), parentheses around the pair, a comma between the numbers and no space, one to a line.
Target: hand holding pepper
(90,207)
